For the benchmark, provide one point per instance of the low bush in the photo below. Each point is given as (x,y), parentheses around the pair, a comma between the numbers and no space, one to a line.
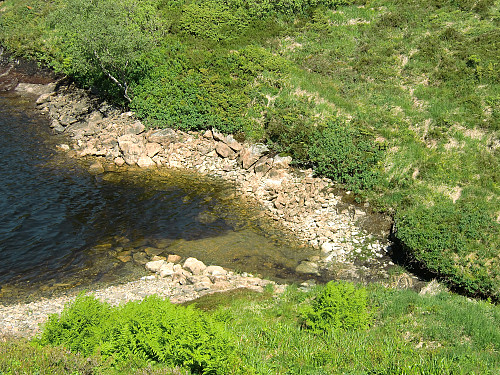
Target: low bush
(346,155)
(213,20)
(340,305)
(457,241)
(153,330)
(210,89)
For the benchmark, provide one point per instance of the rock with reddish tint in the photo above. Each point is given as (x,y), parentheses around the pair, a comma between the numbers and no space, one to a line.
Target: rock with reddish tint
(135,128)
(282,162)
(167,269)
(163,136)
(218,136)
(233,143)
(174,258)
(263,165)
(225,151)
(153,148)
(249,155)
(119,161)
(132,147)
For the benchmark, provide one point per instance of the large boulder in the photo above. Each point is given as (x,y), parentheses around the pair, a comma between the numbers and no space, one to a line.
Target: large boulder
(249,156)
(225,151)
(163,136)
(132,147)
(155,266)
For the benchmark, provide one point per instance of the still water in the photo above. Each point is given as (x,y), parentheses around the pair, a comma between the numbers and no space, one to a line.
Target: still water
(61,226)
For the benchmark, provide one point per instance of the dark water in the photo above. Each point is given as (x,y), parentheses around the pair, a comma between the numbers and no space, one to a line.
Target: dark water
(60,225)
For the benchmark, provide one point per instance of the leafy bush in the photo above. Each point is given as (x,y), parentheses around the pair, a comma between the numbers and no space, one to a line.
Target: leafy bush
(289,127)
(345,155)
(260,8)
(213,20)
(203,91)
(340,305)
(153,330)
(457,241)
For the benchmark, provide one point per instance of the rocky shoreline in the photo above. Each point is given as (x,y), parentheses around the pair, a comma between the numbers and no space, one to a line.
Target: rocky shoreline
(308,208)
(171,280)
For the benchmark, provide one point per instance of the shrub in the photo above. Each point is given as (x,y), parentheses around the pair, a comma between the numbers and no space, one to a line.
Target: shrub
(345,155)
(289,127)
(211,90)
(263,8)
(340,305)
(456,241)
(152,330)
(213,20)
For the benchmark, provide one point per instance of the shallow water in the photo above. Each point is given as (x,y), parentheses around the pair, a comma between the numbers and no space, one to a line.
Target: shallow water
(61,226)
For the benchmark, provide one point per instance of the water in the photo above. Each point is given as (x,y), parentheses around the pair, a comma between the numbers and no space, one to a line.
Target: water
(61,226)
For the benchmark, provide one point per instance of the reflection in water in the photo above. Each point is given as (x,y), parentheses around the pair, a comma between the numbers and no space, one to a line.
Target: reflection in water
(61,225)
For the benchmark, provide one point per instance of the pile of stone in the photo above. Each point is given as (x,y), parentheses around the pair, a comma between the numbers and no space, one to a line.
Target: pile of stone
(195,272)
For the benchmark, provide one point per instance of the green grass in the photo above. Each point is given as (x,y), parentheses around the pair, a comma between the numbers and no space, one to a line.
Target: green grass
(407,334)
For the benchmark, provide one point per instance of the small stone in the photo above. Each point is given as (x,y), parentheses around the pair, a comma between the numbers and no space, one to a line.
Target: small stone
(174,258)
(215,271)
(233,143)
(327,247)
(167,269)
(63,147)
(119,161)
(282,162)
(140,258)
(155,266)
(153,148)
(307,267)
(218,136)
(225,151)
(135,128)
(195,266)
(96,168)
(151,251)
(124,258)
(158,257)
(164,136)
(145,162)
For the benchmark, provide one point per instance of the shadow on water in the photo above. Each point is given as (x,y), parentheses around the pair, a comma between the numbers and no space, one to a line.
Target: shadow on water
(62,227)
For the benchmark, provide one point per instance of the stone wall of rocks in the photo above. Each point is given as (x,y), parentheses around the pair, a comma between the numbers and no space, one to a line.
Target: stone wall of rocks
(304,205)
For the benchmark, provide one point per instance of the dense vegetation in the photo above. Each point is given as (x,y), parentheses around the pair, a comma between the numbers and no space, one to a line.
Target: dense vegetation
(339,328)
(396,100)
